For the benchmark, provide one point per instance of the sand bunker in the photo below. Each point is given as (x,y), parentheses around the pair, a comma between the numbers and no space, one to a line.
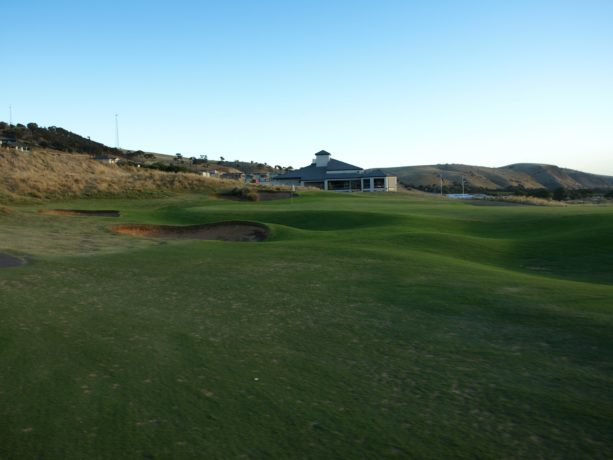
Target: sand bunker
(262,196)
(223,231)
(267,196)
(81,212)
(7,260)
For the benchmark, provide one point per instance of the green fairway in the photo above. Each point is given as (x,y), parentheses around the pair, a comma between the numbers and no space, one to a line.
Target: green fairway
(367,326)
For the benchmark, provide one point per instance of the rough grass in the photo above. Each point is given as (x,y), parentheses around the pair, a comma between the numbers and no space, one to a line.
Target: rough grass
(47,174)
(530,200)
(367,326)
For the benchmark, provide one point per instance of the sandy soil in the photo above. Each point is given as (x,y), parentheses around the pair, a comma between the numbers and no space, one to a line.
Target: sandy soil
(223,231)
(81,212)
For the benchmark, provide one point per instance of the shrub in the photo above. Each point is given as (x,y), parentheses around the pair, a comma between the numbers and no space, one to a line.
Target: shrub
(242,193)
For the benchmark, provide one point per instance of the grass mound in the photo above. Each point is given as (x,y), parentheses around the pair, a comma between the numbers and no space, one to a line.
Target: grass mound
(252,194)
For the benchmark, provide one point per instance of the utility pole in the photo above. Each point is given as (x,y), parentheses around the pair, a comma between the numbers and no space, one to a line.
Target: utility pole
(116,131)
(10,115)
(441,185)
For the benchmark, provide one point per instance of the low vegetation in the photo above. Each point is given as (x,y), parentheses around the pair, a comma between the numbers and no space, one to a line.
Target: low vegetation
(53,137)
(365,326)
(46,174)
(240,193)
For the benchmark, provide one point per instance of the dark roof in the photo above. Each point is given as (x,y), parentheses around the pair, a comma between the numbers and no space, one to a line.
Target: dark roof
(376,173)
(314,174)
(335,165)
(335,169)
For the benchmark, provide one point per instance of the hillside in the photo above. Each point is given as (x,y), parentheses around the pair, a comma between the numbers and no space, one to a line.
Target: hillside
(50,173)
(521,175)
(476,178)
(34,136)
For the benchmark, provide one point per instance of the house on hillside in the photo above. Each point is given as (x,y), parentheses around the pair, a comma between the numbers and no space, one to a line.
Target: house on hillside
(328,174)
(11,143)
(258,178)
(233,176)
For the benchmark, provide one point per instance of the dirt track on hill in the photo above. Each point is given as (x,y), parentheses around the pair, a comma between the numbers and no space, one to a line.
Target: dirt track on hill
(222,231)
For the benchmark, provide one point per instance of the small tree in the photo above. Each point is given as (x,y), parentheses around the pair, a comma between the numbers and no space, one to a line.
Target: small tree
(560,194)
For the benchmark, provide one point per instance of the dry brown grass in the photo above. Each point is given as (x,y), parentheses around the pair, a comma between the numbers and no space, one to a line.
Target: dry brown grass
(50,174)
(529,200)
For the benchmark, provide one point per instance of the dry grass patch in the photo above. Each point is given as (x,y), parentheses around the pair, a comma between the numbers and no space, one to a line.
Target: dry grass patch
(530,200)
(45,174)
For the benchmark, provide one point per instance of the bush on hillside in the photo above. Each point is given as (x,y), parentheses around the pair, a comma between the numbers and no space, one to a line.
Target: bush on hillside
(55,138)
(242,193)
(168,168)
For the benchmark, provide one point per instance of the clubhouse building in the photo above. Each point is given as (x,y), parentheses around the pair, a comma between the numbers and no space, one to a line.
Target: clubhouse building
(328,174)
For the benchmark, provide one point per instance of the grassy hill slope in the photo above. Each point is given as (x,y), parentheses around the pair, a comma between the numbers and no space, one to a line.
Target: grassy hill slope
(368,326)
(53,174)
(526,175)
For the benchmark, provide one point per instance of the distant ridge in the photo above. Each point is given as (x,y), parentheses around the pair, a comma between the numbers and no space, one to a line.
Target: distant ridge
(520,175)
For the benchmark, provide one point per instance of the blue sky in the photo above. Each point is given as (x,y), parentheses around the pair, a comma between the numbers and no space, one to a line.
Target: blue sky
(385,83)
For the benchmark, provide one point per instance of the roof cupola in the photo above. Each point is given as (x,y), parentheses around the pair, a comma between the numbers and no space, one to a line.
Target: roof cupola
(322,158)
